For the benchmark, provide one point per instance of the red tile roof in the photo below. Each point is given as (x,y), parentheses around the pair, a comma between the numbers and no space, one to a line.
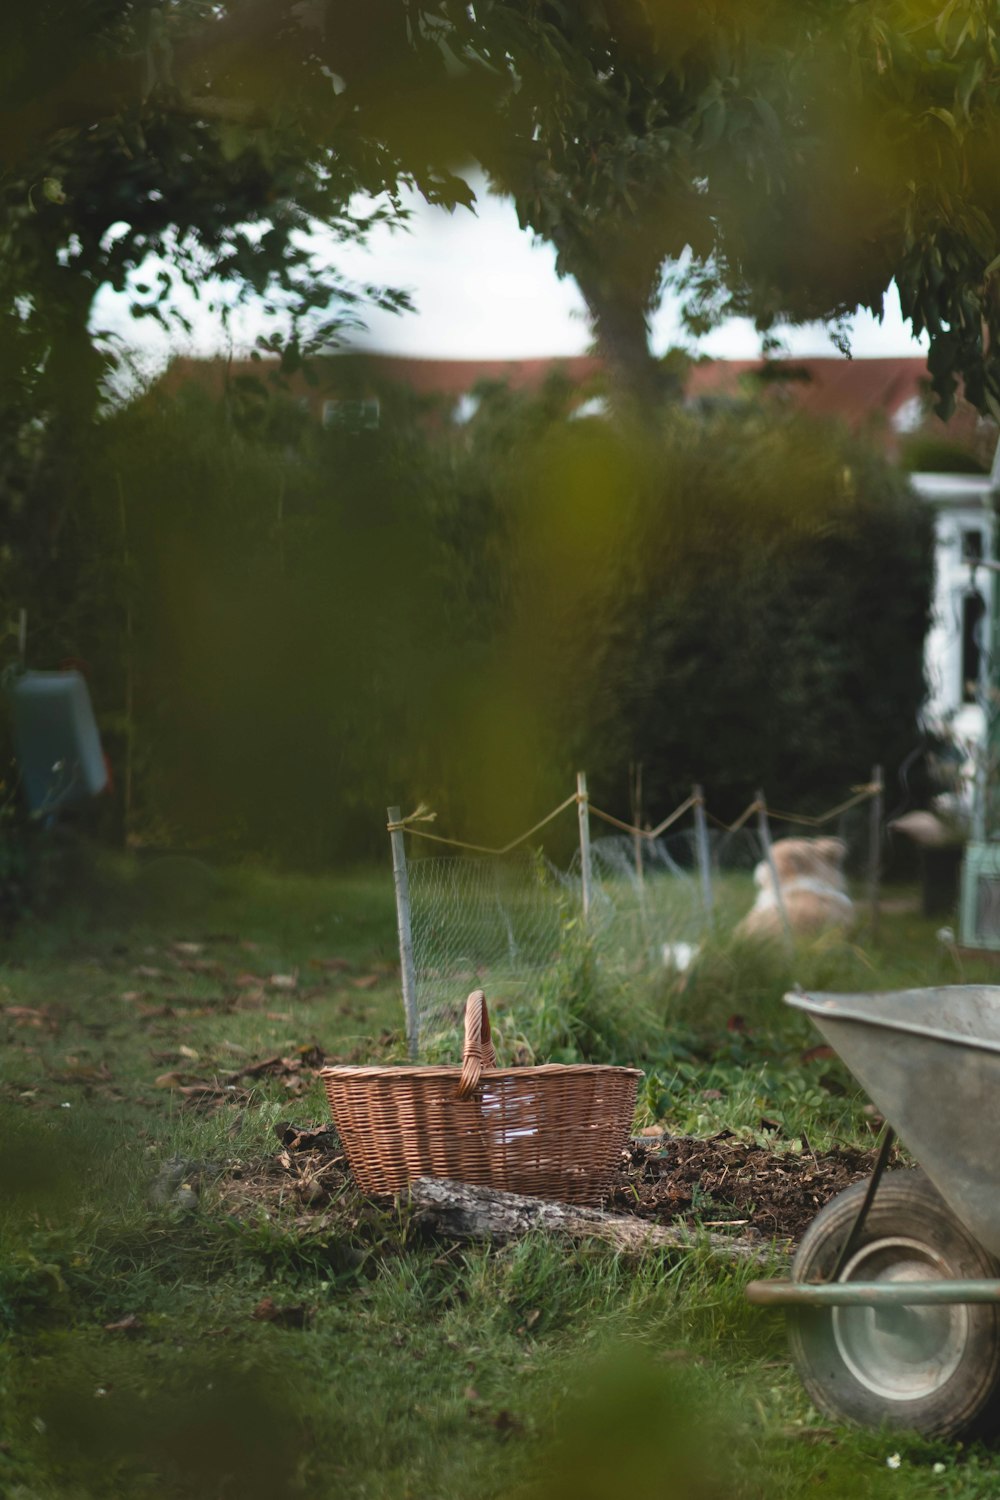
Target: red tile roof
(854,389)
(862,392)
(457,377)
(425,377)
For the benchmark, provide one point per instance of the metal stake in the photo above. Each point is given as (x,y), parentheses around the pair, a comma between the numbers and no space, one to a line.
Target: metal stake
(408,971)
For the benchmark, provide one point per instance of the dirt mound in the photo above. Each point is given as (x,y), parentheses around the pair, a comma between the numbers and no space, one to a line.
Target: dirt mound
(727,1181)
(724,1181)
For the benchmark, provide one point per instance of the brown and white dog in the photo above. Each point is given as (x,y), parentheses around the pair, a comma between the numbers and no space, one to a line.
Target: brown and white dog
(813,890)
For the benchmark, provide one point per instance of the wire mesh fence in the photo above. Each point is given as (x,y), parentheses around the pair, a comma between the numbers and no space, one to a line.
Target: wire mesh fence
(490,921)
(506,921)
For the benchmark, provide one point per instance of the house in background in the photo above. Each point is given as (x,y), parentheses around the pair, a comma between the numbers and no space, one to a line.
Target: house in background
(953,467)
(362,390)
(966,535)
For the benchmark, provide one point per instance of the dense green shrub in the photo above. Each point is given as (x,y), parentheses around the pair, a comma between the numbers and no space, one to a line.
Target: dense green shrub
(289,628)
(739,599)
(774,633)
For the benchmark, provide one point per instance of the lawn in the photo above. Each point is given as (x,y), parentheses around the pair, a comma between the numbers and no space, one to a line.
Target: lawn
(186,1313)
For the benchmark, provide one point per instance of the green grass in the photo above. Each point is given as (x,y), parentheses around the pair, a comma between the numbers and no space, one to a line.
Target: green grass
(420,1370)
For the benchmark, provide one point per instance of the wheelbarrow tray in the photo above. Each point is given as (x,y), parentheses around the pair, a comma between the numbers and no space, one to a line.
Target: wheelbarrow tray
(929,1059)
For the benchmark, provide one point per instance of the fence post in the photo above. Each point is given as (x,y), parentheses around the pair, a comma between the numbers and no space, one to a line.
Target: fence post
(703,853)
(875,846)
(401,882)
(636,798)
(764,830)
(583,813)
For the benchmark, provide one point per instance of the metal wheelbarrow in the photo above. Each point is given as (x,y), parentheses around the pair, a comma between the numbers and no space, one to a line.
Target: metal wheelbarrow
(894,1300)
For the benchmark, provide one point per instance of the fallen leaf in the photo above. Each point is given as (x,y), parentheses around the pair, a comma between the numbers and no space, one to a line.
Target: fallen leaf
(200,1094)
(129,1324)
(189,950)
(201,966)
(250,999)
(189,1053)
(334,965)
(304,1137)
(76,1071)
(813,1054)
(171,1080)
(284,981)
(27,1015)
(268,1311)
(364,981)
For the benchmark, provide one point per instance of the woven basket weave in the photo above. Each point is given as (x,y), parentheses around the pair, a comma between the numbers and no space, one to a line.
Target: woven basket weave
(555,1131)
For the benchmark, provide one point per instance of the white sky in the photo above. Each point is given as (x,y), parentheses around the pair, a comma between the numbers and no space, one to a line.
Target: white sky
(482,288)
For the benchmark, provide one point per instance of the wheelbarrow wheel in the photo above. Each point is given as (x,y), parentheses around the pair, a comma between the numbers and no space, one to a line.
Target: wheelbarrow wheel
(934,1370)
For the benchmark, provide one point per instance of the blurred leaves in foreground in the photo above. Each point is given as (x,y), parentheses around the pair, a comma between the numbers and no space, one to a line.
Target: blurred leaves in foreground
(289,628)
(191,1423)
(638,1426)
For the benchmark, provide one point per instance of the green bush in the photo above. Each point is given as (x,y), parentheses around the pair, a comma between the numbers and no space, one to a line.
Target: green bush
(288,629)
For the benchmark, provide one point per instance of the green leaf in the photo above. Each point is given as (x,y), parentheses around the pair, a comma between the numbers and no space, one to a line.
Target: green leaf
(768,117)
(713,123)
(946,117)
(941,24)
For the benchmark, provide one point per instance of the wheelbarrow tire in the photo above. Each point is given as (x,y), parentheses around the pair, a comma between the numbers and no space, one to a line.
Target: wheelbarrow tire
(934,1370)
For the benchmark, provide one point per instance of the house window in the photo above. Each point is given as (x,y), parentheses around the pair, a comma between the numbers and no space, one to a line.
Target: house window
(465,408)
(972,546)
(355,416)
(973,613)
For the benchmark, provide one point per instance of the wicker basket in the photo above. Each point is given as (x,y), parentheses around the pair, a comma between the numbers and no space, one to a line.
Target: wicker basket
(551,1132)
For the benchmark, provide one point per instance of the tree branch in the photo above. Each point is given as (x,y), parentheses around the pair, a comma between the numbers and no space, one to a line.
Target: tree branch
(462,1212)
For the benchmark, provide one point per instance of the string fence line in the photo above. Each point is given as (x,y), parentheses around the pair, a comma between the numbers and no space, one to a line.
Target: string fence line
(408,825)
(808,820)
(510,919)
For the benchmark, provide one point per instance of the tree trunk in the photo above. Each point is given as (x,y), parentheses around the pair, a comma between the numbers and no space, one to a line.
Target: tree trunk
(461,1212)
(621,332)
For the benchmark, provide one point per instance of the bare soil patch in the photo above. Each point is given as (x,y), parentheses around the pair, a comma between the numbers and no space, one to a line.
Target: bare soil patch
(724,1182)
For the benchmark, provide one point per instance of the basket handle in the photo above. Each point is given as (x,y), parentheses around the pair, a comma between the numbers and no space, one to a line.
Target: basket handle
(477,1053)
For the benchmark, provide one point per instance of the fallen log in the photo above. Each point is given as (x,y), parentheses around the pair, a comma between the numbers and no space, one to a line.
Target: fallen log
(462,1212)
